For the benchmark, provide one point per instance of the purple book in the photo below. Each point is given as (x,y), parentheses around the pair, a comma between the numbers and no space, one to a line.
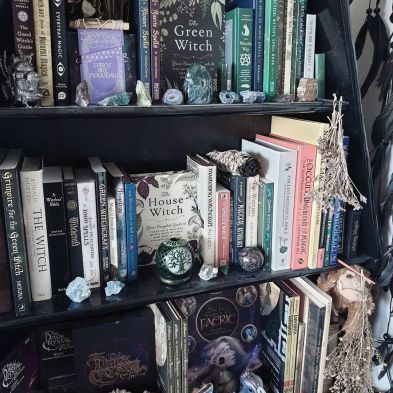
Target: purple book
(102,65)
(155,48)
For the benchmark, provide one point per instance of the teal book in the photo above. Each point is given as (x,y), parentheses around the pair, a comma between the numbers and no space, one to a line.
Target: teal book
(320,74)
(328,237)
(267,223)
(239,26)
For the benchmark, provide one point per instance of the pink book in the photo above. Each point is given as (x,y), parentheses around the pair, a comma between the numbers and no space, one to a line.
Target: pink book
(305,173)
(223,227)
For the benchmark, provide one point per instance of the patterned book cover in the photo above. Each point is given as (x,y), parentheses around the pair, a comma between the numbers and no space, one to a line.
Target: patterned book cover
(102,63)
(223,227)
(252,194)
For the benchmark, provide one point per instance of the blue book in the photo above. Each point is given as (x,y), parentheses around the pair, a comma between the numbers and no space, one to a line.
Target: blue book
(131,229)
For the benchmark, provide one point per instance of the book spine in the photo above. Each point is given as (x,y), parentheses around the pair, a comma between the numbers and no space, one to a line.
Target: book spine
(12,207)
(177,355)
(36,234)
(129,56)
(309,46)
(23,24)
(5,282)
(43,49)
(320,74)
(132,241)
(288,53)
(352,233)
(342,229)
(300,41)
(258,44)
(121,230)
(143,34)
(299,357)
(251,232)
(184,350)
(59,52)
(155,48)
(170,357)
(287,381)
(268,223)
(113,238)
(57,236)
(295,329)
(74,72)
(229,55)
(73,229)
(322,238)
(328,237)
(261,216)
(89,233)
(296,7)
(281,46)
(223,228)
(336,234)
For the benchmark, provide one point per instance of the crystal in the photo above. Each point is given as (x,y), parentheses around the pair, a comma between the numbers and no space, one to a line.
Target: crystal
(250,382)
(78,290)
(173,97)
(142,95)
(82,94)
(119,99)
(284,98)
(224,270)
(198,85)
(229,97)
(113,287)
(208,272)
(251,259)
(251,97)
(307,90)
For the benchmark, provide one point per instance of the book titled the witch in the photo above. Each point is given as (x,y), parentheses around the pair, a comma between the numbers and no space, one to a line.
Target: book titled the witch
(102,65)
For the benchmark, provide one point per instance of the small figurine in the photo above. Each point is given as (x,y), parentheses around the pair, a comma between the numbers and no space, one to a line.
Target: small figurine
(251,383)
(198,85)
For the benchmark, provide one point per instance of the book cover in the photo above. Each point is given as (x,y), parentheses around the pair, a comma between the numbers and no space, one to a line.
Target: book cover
(239,27)
(14,228)
(102,63)
(352,231)
(131,229)
(223,225)
(288,53)
(155,49)
(130,60)
(299,357)
(298,44)
(102,216)
(309,46)
(56,226)
(72,223)
(113,238)
(5,279)
(191,32)
(267,220)
(43,48)
(206,175)
(251,231)
(32,191)
(89,227)
(59,52)
(23,24)
(279,165)
(304,184)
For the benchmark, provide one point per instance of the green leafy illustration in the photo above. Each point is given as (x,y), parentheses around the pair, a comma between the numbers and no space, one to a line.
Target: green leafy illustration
(216,12)
(204,7)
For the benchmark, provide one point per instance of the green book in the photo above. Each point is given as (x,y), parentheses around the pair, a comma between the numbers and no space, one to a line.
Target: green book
(267,223)
(261,215)
(320,74)
(239,26)
(328,234)
(296,10)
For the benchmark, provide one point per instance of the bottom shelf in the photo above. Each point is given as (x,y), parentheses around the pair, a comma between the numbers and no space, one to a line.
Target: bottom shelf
(148,289)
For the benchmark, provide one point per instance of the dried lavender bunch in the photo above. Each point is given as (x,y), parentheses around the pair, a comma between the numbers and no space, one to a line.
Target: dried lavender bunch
(235,162)
(335,182)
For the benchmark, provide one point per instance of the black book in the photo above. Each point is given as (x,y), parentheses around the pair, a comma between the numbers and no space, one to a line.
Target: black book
(56,226)
(102,216)
(73,63)
(352,231)
(72,223)
(13,219)
(129,55)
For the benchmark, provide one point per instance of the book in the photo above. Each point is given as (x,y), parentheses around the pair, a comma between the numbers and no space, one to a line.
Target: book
(237,186)
(279,165)
(102,63)
(115,179)
(102,216)
(304,184)
(308,132)
(299,357)
(56,226)
(298,42)
(206,174)
(14,229)
(32,192)
(74,72)
(113,238)
(288,40)
(320,74)
(239,26)
(5,279)
(251,230)
(166,206)
(352,231)
(155,49)
(142,22)
(131,230)
(327,242)
(223,225)
(88,226)
(309,46)
(72,223)
(59,52)
(23,25)
(130,62)
(43,49)
(336,232)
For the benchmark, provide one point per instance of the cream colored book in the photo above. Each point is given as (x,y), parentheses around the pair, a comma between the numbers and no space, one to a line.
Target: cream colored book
(308,132)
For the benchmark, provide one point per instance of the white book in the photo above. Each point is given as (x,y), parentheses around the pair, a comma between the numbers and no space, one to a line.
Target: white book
(279,165)
(309,46)
(206,173)
(288,55)
(112,237)
(88,227)
(31,184)
(228,51)
(252,196)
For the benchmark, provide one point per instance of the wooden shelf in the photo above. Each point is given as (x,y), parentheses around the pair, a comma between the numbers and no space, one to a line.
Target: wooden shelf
(146,290)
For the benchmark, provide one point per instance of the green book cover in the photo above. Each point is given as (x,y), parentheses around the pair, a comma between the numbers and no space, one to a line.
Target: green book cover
(268,221)
(320,74)
(301,11)
(238,47)
(328,234)
(296,10)
(261,214)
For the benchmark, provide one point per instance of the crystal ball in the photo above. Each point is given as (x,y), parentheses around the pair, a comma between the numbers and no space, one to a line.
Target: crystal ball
(251,259)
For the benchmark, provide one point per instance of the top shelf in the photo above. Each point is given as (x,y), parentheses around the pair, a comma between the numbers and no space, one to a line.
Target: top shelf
(267,108)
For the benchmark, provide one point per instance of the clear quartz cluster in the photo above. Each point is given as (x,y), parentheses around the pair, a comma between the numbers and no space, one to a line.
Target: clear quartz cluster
(78,290)
(113,287)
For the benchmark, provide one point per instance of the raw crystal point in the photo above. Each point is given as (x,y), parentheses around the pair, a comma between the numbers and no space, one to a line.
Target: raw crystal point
(113,287)
(78,290)
(198,85)
(208,272)
(307,90)
(251,259)
(142,95)
(82,94)
(250,97)
(229,97)
(173,97)
(116,100)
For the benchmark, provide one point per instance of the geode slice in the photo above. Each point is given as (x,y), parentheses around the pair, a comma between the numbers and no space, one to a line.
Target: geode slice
(198,86)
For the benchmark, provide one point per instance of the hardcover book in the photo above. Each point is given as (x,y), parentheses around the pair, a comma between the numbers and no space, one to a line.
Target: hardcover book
(129,55)
(102,63)
(113,238)
(309,46)
(299,42)
(5,280)
(352,231)
(288,54)
(73,63)
(166,206)
(155,49)
(131,229)
(252,191)
(223,225)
